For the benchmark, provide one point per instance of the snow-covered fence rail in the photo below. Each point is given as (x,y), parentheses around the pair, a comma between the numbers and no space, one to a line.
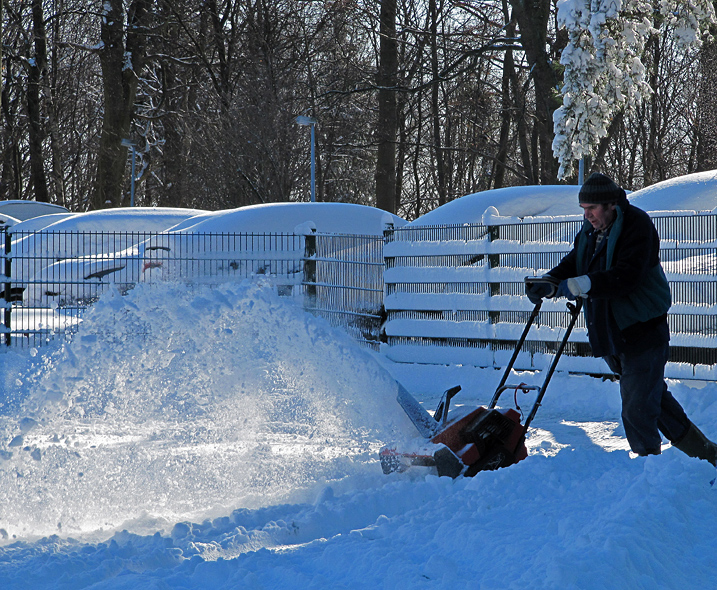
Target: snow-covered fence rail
(448,294)
(52,277)
(454,294)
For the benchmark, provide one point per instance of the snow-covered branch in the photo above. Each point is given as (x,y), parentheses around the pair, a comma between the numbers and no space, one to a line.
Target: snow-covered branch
(604,72)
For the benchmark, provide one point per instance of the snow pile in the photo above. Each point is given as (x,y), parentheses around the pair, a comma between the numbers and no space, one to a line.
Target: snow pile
(176,403)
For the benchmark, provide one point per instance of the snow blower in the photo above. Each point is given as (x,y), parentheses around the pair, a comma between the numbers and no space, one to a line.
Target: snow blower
(473,439)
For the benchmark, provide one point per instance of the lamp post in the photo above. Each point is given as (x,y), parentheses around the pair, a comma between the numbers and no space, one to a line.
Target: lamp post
(130,144)
(311,122)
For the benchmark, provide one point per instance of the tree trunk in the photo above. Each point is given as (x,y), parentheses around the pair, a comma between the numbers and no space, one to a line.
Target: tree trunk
(533,19)
(506,106)
(122,57)
(435,109)
(707,108)
(1,61)
(56,147)
(387,113)
(174,192)
(36,135)
(650,172)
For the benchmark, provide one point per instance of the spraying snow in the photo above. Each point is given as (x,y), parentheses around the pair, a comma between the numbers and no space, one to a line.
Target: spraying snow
(179,403)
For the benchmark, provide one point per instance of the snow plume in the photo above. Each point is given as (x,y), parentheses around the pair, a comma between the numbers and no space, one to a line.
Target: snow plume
(172,402)
(603,68)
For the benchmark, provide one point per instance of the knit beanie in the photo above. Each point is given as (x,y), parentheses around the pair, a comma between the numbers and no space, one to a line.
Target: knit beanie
(600,189)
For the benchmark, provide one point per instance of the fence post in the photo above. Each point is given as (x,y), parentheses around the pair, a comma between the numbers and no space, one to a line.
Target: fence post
(493,262)
(310,270)
(7,291)
(389,235)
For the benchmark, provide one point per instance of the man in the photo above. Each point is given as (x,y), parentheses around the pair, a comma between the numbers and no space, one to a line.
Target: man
(615,267)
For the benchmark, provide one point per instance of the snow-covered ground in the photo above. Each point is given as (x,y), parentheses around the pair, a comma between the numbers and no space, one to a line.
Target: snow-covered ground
(223,438)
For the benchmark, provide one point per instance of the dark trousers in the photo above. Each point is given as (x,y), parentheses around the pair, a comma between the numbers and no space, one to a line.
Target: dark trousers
(647,405)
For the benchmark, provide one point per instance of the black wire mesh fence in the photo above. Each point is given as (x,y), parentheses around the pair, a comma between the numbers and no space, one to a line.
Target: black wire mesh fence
(50,278)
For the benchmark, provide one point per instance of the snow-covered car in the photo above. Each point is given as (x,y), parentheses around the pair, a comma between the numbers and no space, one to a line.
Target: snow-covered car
(81,280)
(34,224)
(515,201)
(7,221)
(256,240)
(212,256)
(24,209)
(268,218)
(691,192)
(75,255)
(199,246)
(91,233)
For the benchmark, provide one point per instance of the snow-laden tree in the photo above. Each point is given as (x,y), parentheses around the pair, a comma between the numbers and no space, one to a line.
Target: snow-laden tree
(604,72)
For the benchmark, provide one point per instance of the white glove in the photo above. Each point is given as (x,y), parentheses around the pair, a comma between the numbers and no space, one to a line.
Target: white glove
(579,286)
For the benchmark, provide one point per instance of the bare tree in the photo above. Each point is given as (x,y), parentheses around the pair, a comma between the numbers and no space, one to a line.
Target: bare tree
(387,123)
(2,5)
(447,99)
(533,19)
(37,70)
(706,124)
(123,56)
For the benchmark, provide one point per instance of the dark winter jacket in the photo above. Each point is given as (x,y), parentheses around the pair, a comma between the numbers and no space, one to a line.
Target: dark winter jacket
(627,304)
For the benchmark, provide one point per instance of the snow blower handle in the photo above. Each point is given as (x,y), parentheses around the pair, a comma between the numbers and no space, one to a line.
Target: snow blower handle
(574,311)
(516,351)
(539,288)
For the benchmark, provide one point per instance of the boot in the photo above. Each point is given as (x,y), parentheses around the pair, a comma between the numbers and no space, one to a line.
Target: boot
(696,444)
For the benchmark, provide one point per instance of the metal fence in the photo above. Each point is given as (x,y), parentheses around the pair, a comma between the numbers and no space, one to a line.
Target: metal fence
(454,294)
(343,283)
(50,278)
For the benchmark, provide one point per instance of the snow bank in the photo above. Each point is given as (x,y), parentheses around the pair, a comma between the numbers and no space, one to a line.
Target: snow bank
(588,520)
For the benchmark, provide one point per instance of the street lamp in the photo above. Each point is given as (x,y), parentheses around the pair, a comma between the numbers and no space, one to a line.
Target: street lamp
(311,122)
(130,144)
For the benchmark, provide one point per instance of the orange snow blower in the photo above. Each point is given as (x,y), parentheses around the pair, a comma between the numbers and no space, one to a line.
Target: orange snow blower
(473,439)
